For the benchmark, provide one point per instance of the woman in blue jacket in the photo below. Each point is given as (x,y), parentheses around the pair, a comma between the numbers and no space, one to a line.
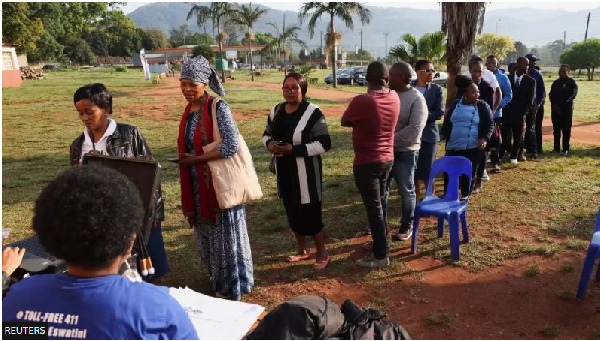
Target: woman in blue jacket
(468,127)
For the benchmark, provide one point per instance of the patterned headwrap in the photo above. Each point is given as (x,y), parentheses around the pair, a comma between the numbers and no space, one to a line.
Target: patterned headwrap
(199,70)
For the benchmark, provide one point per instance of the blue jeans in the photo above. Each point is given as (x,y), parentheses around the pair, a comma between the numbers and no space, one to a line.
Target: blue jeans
(403,172)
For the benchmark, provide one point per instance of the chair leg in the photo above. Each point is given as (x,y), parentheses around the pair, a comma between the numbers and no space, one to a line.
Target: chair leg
(440,227)
(465,230)
(588,265)
(413,242)
(454,238)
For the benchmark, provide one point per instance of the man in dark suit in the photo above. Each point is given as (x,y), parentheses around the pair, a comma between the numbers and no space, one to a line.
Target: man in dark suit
(523,88)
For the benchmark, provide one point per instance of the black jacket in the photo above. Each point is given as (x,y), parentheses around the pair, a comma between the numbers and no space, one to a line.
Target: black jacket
(126,141)
(522,101)
(563,92)
(486,121)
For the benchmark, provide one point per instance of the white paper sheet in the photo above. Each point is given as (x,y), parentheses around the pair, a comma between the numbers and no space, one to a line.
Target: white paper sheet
(215,318)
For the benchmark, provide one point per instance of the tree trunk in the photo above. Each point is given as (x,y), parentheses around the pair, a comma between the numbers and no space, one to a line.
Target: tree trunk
(251,61)
(334,67)
(453,69)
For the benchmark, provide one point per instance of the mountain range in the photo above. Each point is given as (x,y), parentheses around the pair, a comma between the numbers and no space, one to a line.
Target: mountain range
(533,27)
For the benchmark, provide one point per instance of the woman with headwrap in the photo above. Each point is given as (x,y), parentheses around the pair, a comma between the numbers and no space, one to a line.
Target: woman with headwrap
(221,235)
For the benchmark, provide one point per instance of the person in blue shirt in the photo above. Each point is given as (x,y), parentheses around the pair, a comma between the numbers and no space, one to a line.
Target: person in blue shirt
(504,83)
(87,217)
(533,144)
(434,97)
(467,127)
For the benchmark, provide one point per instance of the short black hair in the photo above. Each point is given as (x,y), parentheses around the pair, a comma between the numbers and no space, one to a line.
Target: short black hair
(462,82)
(475,61)
(301,81)
(419,64)
(96,93)
(565,65)
(87,215)
(491,57)
(377,73)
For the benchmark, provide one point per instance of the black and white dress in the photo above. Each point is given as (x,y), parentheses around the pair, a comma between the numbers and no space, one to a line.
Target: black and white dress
(299,174)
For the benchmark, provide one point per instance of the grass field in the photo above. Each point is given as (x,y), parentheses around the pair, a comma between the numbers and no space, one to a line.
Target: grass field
(543,207)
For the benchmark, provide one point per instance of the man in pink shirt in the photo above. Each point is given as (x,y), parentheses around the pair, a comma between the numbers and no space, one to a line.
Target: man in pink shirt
(373,117)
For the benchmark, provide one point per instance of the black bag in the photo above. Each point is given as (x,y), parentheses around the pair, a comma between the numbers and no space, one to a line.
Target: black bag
(318,318)
(496,139)
(370,324)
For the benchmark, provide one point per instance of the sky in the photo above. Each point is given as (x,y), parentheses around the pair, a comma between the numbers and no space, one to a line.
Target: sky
(295,5)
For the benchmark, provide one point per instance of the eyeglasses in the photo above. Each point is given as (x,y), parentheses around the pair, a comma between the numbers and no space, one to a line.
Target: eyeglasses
(294,89)
(428,70)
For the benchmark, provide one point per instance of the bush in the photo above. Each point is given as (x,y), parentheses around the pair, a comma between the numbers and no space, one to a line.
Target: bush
(121,68)
(205,51)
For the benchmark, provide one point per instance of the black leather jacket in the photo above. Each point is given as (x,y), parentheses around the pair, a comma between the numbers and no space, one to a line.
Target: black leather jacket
(126,141)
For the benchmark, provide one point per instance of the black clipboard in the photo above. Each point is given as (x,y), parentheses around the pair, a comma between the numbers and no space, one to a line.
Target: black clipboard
(144,175)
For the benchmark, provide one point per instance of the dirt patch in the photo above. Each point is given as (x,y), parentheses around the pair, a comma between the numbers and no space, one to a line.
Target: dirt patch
(445,302)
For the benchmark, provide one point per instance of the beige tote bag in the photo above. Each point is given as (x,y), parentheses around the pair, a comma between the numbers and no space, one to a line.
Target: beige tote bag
(234,179)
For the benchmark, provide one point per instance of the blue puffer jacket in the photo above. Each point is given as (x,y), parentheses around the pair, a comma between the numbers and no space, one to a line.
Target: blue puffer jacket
(485,125)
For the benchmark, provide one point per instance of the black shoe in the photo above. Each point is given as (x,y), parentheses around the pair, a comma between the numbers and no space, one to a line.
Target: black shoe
(557,151)
(540,151)
(404,233)
(565,153)
(533,156)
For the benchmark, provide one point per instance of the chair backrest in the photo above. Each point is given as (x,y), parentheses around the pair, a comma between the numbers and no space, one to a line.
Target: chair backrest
(454,166)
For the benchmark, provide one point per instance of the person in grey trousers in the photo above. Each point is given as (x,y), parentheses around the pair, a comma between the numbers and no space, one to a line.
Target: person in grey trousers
(407,142)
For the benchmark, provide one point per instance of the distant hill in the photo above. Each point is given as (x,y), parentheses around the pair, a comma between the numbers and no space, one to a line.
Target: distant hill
(530,26)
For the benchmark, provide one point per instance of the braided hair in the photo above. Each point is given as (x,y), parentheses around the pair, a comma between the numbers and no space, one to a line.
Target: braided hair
(462,82)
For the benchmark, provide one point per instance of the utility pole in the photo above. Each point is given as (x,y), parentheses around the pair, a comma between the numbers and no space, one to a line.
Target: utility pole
(564,40)
(361,34)
(386,50)
(587,26)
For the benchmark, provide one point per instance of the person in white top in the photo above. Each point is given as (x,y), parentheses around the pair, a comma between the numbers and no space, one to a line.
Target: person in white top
(489,77)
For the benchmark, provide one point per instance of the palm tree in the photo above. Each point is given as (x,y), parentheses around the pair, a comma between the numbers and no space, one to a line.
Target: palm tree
(342,10)
(245,15)
(429,46)
(282,38)
(461,21)
(217,12)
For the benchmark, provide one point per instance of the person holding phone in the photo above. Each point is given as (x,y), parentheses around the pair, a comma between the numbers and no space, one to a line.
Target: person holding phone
(221,235)
(297,135)
(102,134)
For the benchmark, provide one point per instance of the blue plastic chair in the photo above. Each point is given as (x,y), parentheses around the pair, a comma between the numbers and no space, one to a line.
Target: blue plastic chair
(449,207)
(593,253)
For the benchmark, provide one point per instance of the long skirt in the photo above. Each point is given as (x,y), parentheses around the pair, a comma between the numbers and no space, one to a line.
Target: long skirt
(225,250)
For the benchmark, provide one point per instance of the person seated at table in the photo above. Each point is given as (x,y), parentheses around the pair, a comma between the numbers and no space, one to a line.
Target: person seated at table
(87,217)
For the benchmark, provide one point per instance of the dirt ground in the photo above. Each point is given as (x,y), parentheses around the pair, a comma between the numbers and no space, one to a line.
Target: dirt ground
(451,303)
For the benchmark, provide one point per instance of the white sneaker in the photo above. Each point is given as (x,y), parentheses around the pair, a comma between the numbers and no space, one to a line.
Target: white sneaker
(485,176)
(513,161)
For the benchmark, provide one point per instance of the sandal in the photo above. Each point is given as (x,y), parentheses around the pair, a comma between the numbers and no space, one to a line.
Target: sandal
(298,258)
(322,264)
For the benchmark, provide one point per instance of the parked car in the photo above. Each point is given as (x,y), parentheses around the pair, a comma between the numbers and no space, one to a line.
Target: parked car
(329,78)
(440,78)
(350,76)
(50,67)
(362,79)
